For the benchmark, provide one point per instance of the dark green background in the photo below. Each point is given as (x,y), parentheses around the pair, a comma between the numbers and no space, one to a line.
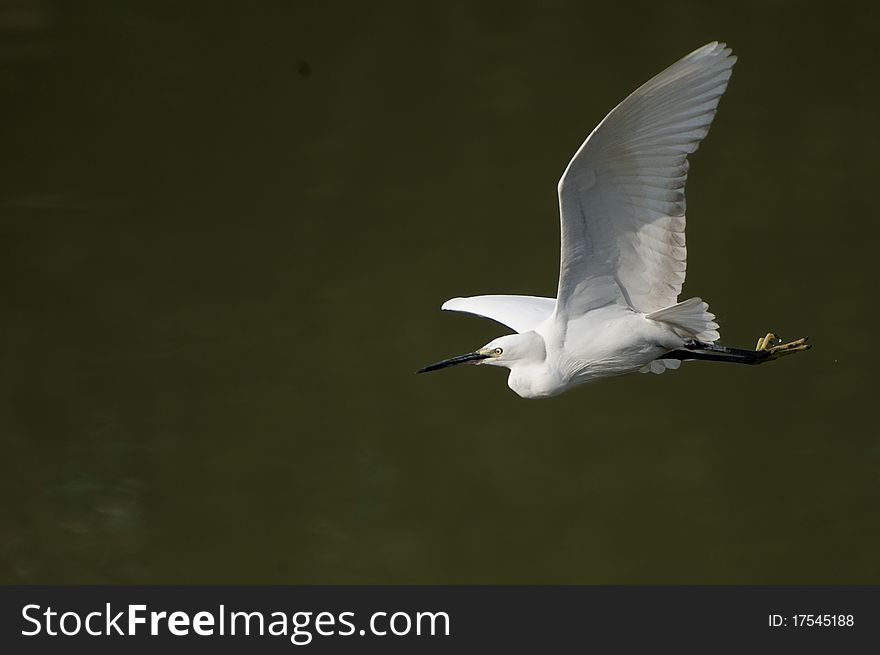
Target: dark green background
(219,269)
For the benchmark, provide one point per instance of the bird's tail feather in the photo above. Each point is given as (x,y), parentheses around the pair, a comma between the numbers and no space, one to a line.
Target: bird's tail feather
(691,316)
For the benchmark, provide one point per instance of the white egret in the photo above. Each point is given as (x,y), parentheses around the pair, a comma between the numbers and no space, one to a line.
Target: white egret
(623,255)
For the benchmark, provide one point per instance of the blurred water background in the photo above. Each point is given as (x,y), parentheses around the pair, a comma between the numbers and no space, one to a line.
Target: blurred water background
(225,233)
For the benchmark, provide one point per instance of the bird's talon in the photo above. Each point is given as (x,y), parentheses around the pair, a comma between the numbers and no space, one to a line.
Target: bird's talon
(780,349)
(764,342)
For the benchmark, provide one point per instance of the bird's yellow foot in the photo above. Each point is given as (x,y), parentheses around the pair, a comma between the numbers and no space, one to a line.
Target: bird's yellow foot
(773,346)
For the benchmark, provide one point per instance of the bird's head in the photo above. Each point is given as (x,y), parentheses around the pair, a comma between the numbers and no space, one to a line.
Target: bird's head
(506,351)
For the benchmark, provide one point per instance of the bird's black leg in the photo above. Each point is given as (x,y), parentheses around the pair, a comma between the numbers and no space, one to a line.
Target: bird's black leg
(764,352)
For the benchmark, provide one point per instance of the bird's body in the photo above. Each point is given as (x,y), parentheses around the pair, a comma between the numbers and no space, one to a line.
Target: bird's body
(606,342)
(623,253)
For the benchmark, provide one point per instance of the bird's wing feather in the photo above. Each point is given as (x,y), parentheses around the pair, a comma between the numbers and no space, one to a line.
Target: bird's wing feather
(621,198)
(520,313)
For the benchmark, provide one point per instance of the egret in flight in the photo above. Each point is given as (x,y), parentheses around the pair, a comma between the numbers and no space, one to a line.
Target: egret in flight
(623,255)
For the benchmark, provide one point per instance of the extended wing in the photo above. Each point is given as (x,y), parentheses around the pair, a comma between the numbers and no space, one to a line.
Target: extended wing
(621,198)
(520,313)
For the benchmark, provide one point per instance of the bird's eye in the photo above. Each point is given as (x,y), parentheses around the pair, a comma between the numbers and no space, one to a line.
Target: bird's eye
(498,351)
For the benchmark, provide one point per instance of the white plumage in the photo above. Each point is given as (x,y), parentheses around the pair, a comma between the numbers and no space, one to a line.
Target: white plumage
(623,252)
(621,198)
(519,313)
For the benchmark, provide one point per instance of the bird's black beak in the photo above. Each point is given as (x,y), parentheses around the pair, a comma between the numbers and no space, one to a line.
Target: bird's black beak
(452,361)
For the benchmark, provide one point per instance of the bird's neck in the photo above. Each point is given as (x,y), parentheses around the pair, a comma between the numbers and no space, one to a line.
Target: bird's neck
(535,381)
(531,376)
